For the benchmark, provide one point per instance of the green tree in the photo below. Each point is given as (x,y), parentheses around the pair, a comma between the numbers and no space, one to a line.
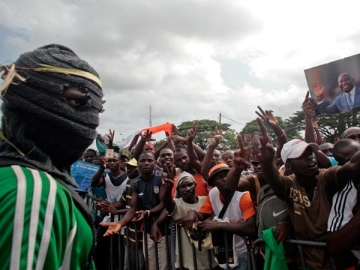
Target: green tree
(330,125)
(333,125)
(205,129)
(157,144)
(290,128)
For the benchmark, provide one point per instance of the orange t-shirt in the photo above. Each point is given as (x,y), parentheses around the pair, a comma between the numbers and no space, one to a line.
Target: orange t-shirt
(246,205)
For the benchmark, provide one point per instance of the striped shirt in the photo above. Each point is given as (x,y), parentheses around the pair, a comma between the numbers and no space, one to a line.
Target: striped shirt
(131,228)
(343,203)
(41,227)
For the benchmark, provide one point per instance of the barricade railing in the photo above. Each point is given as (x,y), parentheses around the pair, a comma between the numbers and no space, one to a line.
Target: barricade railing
(170,237)
(171,241)
(117,261)
(299,244)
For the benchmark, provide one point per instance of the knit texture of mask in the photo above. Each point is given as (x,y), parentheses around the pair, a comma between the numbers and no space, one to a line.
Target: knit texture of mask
(36,117)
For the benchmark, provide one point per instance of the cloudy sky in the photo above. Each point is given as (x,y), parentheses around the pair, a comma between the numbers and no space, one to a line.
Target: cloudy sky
(189,59)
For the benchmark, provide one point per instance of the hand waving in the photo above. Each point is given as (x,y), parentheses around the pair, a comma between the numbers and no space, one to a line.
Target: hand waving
(318,89)
(268,117)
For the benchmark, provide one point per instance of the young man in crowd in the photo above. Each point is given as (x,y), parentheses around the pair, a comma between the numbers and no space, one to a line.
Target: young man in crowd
(114,183)
(90,156)
(308,210)
(145,206)
(166,160)
(352,133)
(240,212)
(187,161)
(134,258)
(343,223)
(182,161)
(48,120)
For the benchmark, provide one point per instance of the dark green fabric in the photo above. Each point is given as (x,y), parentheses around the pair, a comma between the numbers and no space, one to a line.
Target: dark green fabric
(274,252)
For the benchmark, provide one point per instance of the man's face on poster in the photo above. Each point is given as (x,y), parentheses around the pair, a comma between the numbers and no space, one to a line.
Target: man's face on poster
(346,83)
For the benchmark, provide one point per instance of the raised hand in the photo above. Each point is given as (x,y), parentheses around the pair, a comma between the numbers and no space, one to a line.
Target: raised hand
(146,136)
(315,124)
(239,162)
(266,150)
(318,90)
(245,152)
(111,139)
(268,117)
(178,138)
(309,105)
(102,162)
(192,133)
(217,133)
(167,181)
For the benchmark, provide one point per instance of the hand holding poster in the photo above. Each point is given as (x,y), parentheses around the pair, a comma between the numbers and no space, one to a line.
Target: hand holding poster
(83,172)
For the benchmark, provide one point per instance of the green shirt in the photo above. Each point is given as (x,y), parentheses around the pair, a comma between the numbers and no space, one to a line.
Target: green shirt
(41,227)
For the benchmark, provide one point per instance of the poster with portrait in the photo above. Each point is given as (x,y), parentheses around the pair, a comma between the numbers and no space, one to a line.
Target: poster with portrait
(336,85)
(83,172)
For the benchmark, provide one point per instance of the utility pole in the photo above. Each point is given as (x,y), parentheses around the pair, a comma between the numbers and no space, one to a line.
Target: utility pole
(150,121)
(219,119)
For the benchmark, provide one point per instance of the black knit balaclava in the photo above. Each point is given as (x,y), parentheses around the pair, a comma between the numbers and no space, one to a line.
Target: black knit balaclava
(36,118)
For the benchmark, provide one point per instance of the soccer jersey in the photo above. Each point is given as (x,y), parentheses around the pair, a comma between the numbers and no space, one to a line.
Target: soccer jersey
(41,227)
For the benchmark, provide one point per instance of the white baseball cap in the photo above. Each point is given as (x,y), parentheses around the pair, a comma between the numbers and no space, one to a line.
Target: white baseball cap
(295,148)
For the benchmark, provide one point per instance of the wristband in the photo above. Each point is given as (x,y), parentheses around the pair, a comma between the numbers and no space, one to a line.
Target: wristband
(148,213)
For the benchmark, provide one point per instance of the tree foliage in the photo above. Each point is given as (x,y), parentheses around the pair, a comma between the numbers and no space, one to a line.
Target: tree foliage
(333,125)
(330,126)
(291,128)
(205,129)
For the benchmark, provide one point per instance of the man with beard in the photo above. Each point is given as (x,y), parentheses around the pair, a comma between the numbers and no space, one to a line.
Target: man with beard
(114,183)
(308,210)
(178,208)
(145,205)
(240,212)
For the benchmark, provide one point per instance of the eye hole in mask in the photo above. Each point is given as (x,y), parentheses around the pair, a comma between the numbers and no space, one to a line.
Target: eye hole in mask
(75,96)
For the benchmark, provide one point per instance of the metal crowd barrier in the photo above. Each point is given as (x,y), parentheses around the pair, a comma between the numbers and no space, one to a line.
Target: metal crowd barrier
(299,244)
(170,238)
(117,261)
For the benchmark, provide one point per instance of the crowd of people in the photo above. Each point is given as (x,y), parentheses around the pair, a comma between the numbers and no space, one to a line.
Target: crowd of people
(277,191)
